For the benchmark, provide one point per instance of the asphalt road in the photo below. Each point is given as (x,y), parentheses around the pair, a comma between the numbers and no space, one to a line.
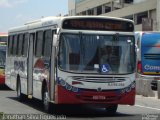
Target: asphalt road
(144,109)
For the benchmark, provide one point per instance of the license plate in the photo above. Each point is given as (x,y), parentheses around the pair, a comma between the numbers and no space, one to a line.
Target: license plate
(98,97)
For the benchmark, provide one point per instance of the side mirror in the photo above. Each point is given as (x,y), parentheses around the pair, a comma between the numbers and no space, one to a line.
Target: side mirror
(55,40)
(58,30)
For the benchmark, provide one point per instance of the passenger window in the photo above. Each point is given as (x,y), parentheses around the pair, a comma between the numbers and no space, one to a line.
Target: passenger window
(39,44)
(25,45)
(20,44)
(47,43)
(10,40)
(15,41)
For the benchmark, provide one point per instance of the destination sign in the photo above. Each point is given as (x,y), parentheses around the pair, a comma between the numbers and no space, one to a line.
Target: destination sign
(98,24)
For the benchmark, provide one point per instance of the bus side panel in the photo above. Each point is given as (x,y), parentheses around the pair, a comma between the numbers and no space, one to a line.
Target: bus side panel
(22,72)
(150,53)
(13,74)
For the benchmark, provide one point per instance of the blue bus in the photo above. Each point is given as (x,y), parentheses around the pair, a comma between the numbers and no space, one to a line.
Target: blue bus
(148,56)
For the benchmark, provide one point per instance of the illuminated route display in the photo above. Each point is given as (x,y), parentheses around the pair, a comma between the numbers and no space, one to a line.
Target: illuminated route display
(98,24)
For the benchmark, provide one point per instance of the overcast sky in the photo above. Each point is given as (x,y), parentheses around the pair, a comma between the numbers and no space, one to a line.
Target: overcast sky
(17,12)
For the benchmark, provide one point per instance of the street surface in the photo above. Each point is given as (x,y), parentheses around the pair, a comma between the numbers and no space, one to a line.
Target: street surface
(144,109)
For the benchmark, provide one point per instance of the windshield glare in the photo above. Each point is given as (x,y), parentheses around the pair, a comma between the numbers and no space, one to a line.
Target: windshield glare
(97,53)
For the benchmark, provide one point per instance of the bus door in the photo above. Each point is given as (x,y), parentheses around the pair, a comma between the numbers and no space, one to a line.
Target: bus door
(30,64)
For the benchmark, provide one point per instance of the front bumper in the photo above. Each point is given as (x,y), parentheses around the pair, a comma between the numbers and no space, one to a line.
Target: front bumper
(86,96)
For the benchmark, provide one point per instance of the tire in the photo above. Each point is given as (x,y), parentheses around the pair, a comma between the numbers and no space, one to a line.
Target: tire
(47,106)
(111,110)
(20,96)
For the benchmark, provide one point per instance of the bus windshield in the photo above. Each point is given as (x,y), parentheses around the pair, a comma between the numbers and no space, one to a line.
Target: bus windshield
(86,53)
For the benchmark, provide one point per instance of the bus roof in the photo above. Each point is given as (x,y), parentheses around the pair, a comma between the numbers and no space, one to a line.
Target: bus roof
(56,22)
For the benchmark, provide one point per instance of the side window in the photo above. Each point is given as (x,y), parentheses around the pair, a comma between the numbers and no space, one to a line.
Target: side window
(47,43)
(25,45)
(10,40)
(20,44)
(15,41)
(39,44)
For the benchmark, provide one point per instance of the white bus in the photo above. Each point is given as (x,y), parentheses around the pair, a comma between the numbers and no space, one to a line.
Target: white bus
(73,60)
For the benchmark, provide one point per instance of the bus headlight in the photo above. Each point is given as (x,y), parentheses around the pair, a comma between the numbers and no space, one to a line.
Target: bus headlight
(68,86)
(123,91)
(133,85)
(62,82)
(128,89)
(75,89)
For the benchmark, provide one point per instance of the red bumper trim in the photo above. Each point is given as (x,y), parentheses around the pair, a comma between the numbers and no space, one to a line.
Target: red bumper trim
(64,96)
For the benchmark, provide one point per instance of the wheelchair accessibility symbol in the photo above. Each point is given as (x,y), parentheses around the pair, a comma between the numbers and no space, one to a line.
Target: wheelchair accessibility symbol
(105,68)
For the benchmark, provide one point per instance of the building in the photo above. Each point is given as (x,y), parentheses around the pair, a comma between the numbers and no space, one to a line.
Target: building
(145,13)
(71,7)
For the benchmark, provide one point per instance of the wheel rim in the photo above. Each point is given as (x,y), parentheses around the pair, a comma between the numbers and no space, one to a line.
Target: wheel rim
(46,101)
